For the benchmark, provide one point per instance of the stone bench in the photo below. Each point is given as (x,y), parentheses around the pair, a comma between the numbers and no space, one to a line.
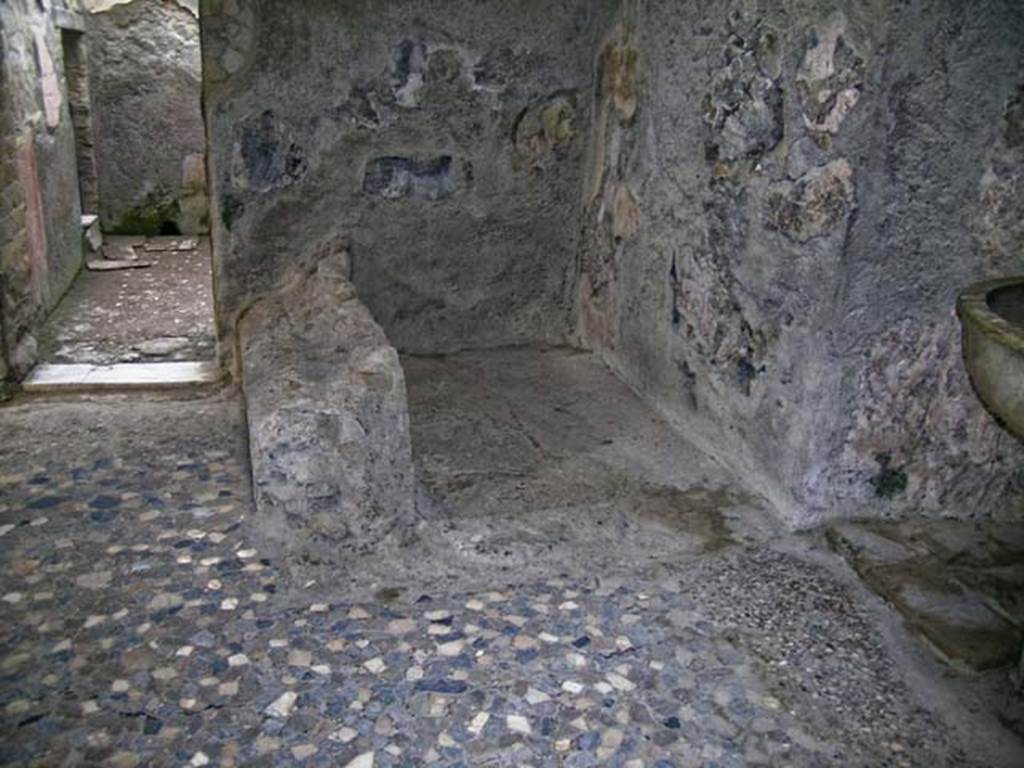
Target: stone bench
(328,423)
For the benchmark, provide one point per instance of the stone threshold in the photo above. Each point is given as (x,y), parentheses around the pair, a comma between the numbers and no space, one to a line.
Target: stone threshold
(121,376)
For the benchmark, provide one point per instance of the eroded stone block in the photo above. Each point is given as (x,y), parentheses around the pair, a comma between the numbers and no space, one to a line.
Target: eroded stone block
(328,422)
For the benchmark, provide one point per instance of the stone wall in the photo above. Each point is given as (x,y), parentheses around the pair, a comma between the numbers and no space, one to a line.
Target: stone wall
(759,214)
(782,201)
(40,216)
(146,71)
(439,143)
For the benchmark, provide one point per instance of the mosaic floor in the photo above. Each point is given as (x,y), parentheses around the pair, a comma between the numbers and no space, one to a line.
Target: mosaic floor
(140,626)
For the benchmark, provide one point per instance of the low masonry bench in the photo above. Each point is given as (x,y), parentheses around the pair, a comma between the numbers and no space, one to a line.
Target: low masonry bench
(328,422)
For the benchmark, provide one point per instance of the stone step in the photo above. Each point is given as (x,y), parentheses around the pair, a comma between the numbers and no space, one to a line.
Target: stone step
(112,265)
(955,585)
(48,378)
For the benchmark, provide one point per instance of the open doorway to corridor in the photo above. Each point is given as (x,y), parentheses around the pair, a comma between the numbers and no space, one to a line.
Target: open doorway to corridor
(133,84)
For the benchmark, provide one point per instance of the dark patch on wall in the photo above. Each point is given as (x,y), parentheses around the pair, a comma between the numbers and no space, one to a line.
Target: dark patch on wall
(271,160)
(673,276)
(744,106)
(1014,118)
(157,216)
(745,374)
(890,481)
(359,108)
(409,58)
(497,68)
(689,383)
(232,208)
(396,177)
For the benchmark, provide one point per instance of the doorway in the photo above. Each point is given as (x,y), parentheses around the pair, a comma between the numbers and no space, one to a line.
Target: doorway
(76,77)
(133,80)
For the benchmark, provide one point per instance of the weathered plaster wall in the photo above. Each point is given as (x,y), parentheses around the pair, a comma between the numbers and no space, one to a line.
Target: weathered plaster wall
(782,201)
(146,72)
(438,143)
(40,241)
(758,213)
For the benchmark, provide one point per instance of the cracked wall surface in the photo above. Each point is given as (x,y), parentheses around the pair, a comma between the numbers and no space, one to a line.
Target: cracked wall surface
(442,142)
(776,230)
(146,71)
(40,241)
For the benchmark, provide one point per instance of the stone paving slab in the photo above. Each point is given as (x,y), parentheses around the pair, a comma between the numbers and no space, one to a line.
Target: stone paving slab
(960,585)
(170,243)
(52,378)
(116,265)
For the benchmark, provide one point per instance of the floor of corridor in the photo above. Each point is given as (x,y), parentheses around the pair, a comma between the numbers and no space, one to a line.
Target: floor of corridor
(159,313)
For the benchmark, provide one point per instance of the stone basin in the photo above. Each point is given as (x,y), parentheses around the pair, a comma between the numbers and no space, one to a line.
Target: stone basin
(992,315)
